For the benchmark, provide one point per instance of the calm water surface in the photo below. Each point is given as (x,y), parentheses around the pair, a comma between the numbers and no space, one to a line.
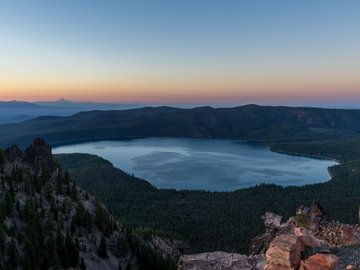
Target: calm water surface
(207,164)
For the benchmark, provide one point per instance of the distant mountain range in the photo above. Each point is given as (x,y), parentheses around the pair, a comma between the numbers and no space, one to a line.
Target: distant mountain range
(266,123)
(86,106)
(17,111)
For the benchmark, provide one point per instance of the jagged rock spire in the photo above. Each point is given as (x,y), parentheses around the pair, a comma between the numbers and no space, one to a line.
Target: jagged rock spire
(36,157)
(13,154)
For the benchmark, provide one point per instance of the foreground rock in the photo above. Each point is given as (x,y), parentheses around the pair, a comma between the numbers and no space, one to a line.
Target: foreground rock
(273,227)
(284,253)
(350,236)
(308,240)
(220,261)
(320,262)
(313,219)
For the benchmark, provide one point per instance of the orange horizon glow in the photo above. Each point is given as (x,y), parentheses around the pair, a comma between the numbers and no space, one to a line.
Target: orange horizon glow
(212,90)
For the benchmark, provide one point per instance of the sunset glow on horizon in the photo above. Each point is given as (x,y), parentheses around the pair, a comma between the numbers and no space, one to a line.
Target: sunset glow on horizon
(180,51)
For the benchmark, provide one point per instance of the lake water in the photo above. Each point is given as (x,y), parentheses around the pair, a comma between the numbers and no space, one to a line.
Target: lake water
(206,164)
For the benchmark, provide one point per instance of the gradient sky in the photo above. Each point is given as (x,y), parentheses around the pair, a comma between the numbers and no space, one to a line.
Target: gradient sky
(181,50)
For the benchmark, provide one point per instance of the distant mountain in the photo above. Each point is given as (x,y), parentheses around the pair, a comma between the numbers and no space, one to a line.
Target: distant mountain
(17,104)
(88,106)
(61,101)
(17,111)
(270,124)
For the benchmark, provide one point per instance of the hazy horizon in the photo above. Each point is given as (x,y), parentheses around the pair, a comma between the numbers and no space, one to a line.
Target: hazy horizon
(188,104)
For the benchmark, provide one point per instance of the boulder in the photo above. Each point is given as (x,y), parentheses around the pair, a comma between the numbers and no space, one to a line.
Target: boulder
(273,227)
(271,220)
(302,210)
(320,262)
(307,239)
(284,253)
(311,217)
(317,212)
(349,236)
(218,261)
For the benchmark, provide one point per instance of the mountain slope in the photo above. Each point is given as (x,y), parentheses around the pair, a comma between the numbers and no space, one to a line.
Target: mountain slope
(17,111)
(271,124)
(47,221)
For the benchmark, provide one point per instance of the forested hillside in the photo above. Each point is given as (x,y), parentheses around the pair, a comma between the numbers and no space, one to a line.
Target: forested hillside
(220,220)
(270,124)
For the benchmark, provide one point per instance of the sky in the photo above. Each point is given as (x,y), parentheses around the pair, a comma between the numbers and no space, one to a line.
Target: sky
(181,51)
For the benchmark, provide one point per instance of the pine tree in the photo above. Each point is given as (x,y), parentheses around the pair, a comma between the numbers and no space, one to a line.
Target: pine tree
(61,250)
(67,177)
(1,216)
(59,184)
(2,158)
(8,204)
(74,193)
(82,264)
(102,249)
(128,267)
(72,251)
(2,240)
(100,216)
(12,254)
(30,257)
(87,222)
(18,206)
(50,257)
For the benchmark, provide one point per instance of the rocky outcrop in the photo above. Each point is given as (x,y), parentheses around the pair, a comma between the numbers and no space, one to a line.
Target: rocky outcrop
(350,236)
(14,154)
(168,247)
(284,253)
(220,261)
(48,212)
(309,241)
(273,227)
(310,218)
(320,262)
(317,213)
(324,243)
(39,155)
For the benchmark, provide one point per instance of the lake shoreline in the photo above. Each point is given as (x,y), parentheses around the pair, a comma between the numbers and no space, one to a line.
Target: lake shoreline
(211,164)
(270,145)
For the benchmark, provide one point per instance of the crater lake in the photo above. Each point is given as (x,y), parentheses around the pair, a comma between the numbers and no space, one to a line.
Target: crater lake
(205,164)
